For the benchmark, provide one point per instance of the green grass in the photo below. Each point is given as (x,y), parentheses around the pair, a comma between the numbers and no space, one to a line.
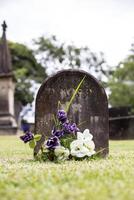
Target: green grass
(21,178)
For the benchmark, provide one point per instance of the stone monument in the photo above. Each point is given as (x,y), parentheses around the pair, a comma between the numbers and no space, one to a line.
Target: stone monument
(88,110)
(8,123)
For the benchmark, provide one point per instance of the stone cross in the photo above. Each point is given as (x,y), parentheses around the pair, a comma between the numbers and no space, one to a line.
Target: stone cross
(4,26)
(88,110)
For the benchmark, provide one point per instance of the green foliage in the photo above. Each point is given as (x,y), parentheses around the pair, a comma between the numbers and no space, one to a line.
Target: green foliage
(121,94)
(26,70)
(46,155)
(23,93)
(66,140)
(32,144)
(104,179)
(122,84)
(37,137)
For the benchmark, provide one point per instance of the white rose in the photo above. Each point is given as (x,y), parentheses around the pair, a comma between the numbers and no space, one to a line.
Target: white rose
(61,153)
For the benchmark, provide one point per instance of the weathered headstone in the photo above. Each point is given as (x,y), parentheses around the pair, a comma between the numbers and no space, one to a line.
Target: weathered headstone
(88,110)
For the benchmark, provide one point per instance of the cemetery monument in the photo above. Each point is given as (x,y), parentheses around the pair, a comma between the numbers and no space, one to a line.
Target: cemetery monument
(8,123)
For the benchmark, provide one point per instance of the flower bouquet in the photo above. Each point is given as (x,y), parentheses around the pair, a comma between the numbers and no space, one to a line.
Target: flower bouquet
(66,141)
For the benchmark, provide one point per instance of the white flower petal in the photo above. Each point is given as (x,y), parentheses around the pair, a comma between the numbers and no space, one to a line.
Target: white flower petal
(89,144)
(90,153)
(76,143)
(79,136)
(86,131)
(80,154)
(87,134)
(61,152)
(79,151)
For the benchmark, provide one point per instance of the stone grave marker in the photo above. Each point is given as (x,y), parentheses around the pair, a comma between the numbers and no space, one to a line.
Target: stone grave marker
(88,110)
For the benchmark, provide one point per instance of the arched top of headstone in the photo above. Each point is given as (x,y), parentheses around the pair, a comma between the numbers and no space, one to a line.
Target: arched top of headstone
(89,109)
(70,72)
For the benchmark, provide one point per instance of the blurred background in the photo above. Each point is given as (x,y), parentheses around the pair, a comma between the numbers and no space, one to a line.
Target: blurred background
(46,36)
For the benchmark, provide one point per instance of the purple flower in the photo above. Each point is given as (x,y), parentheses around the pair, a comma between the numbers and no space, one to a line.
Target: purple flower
(52,142)
(27,137)
(74,128)
(62,116)
(57,133)
(70,128)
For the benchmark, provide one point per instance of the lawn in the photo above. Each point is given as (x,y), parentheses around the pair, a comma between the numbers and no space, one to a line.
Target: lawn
(21,178)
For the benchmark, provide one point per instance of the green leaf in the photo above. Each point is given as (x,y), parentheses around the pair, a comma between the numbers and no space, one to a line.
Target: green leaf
(37,137)
(74,94)
(32,144)
(55,121)
(66,140)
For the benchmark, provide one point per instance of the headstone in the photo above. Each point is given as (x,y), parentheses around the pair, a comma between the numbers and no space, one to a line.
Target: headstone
(88,110)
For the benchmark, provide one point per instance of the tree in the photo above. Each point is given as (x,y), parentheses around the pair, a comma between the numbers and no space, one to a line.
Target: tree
(122,83)
(26,70)
(55,55)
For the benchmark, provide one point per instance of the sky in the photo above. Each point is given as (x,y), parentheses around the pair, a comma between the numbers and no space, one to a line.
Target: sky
(102,25)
